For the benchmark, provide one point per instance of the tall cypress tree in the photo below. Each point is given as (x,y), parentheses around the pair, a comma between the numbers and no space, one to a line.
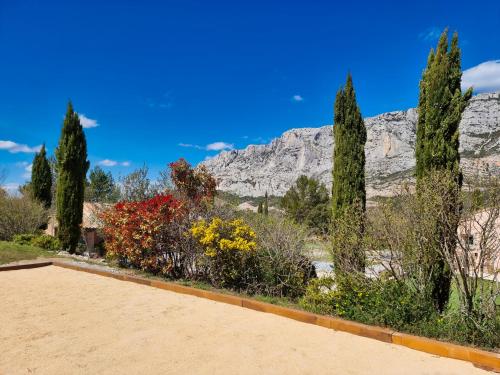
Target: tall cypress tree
(440,108)
(72,166)
(41,178)
(265,207)
(348,189)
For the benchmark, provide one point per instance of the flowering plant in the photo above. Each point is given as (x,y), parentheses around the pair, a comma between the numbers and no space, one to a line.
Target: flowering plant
(194,184)
(230,249)
(218,236)
(137,233)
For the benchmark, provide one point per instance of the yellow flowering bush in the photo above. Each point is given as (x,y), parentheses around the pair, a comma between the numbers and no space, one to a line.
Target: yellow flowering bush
(230,249)
(220,235)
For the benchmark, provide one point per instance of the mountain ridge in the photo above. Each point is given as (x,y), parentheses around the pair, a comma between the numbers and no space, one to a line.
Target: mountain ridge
(389,150)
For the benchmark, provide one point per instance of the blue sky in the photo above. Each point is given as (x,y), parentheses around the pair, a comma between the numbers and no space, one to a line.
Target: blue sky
(157,80)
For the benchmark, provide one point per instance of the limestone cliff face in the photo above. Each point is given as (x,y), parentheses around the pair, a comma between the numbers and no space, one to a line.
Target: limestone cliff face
(389,152)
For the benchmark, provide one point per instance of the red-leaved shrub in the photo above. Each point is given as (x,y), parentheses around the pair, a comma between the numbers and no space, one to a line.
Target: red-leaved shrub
(138,234)
(195,185)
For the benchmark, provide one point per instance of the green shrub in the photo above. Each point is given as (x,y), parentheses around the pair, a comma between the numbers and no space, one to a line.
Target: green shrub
(391,303)
(24,239)
(46,242)
(43,241)
(319,296)
(284,269)
(386,303)
(20,215)
(458,327)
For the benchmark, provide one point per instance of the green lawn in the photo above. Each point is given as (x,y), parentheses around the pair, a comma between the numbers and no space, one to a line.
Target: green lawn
(13,252)
(454,303)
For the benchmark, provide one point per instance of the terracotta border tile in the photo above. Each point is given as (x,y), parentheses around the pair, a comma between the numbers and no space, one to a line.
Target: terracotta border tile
(301,316)
(373,332)
(486,360)
(480,358)
(422,344)
(224,298)
(324,321)
(137,280)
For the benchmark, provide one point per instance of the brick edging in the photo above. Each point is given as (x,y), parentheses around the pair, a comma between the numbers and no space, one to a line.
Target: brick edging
(481,358)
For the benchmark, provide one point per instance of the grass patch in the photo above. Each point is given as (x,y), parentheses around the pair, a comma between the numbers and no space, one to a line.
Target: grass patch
(454,304)
(13,252)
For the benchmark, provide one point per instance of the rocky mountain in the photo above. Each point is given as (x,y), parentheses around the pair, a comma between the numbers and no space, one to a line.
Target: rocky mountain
(389,153)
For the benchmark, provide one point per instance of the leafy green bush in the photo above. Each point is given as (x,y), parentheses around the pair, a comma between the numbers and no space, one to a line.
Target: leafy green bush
(46,242)
(458,327)
(43,241)
(386,303)
(20,215)
(393,304)
(285,270)
(319,297)
(24,239)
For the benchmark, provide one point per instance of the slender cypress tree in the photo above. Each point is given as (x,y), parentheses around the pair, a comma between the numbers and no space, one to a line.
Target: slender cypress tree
(260,208)
(72,166)
(41,178)
(265,207)
(348,189)
(440,108)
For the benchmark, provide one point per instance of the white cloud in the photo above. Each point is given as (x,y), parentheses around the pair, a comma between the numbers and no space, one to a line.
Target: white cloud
(87,122)
(216,146)
(12,188)
(14,147)
(430,34)
(484,77)
(219,146)
(113,163)
(27,168)
(190,145)
(297,98)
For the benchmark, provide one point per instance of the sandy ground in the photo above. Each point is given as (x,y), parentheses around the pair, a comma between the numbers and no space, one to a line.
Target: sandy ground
(59,321)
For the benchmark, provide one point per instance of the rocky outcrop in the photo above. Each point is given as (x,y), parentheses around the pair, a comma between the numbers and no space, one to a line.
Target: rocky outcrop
(389,153)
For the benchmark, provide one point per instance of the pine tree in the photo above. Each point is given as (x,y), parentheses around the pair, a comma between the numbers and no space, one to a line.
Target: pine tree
(41,179)
(265,207)
(72,166)
(307,202)
(348,188)
(440,108)
(101,186)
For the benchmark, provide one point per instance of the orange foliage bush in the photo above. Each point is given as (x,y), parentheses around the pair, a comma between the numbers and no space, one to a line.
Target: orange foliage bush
(138,234)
